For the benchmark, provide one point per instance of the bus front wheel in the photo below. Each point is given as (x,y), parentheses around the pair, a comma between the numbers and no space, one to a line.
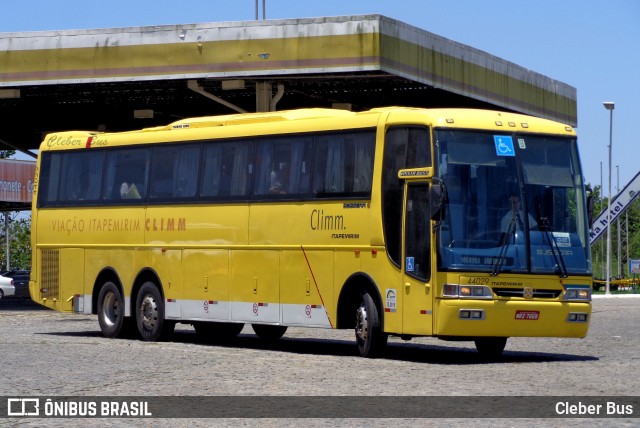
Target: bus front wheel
(150,314)
(370,338)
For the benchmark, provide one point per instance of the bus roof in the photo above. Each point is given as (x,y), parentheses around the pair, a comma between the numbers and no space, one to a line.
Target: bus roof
(294,121)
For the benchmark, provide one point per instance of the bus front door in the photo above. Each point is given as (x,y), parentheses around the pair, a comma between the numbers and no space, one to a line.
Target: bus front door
(416,278)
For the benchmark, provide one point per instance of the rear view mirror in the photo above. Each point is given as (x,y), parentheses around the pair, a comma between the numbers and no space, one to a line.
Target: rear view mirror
(437,199)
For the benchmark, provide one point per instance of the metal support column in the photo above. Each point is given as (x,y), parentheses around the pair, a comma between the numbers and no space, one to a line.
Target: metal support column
(263,96)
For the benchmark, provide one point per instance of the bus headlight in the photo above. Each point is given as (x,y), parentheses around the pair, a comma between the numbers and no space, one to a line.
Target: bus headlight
(467,291)
(577,293)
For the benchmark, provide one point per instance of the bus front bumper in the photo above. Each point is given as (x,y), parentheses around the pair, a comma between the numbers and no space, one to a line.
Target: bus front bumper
(511,318)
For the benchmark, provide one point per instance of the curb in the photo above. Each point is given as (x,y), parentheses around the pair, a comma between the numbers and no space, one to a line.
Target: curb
(615,296)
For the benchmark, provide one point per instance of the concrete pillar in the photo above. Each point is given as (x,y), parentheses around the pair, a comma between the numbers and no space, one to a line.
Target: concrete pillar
(263,96)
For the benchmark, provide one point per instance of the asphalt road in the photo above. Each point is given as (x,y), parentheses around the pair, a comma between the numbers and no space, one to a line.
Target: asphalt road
(45,353)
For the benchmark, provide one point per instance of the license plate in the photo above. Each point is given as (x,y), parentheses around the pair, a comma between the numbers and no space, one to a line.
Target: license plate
(527,315)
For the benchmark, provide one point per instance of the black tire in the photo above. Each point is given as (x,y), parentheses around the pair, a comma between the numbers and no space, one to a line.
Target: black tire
(150,314)
(370,338)
(491,347)
(269,332)
(218,331)
(1,294)
(110,310)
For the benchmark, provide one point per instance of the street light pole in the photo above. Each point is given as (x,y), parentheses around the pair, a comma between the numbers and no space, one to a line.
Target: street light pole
(264,10)
(602,256)
(609,105)
(619,253)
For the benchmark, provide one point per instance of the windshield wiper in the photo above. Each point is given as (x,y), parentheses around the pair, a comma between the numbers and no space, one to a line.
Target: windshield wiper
(555,249)
(504,245)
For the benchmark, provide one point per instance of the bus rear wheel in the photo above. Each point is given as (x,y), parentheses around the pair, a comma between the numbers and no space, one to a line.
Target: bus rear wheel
(269,332)
(110,310)
(370,338)
(150,314)
(491,347)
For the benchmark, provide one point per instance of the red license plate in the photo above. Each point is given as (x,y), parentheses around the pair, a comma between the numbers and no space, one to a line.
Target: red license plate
(527,315)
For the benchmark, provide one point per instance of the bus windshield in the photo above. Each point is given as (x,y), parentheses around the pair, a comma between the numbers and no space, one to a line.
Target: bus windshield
(515,204)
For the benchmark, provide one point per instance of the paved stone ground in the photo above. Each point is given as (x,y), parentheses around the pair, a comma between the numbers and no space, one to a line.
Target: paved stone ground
(48,353)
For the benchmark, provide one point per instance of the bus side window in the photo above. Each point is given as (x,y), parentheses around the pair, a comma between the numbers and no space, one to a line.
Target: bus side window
(174,171)
(344,164)
(283,166)
(81,177)
(226,169)
(130,167)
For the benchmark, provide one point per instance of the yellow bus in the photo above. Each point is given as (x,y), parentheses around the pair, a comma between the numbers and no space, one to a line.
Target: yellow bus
(455,223)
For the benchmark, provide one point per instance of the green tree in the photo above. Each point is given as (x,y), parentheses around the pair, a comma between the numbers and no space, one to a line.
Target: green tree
(19,243)
(597,249)
(634,230)
(6,154)
(19,235)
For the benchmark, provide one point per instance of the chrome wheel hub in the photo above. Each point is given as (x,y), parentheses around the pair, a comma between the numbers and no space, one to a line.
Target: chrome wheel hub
(110,309)
(149,312)
(362,325)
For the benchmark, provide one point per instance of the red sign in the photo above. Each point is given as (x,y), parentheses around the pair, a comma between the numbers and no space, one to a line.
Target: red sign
(16,180)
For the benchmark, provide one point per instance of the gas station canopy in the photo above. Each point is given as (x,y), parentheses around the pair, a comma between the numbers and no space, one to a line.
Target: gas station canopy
(129,78)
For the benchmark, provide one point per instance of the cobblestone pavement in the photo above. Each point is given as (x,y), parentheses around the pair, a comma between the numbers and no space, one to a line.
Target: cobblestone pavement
(48,353)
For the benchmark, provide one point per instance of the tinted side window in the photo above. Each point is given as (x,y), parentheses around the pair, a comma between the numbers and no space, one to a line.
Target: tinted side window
(283,166)
(126,175)
(70,178)
(227,168)
(50,165)
(174,172)
(301,166)
(344,164)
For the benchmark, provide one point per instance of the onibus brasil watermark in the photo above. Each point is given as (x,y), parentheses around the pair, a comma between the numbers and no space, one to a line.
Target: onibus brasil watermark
(76,408)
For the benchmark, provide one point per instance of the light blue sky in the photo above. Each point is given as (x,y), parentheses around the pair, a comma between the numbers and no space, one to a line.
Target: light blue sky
(591,45)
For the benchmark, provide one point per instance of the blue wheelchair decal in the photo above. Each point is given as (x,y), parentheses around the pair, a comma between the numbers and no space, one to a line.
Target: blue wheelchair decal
(409,264)
(504,145)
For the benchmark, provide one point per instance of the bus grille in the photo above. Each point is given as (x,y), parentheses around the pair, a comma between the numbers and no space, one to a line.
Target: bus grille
(519,292)
(50,274)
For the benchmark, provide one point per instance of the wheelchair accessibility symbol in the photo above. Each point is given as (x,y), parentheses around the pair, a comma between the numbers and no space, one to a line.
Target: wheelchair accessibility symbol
(409,264)
(504,145)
